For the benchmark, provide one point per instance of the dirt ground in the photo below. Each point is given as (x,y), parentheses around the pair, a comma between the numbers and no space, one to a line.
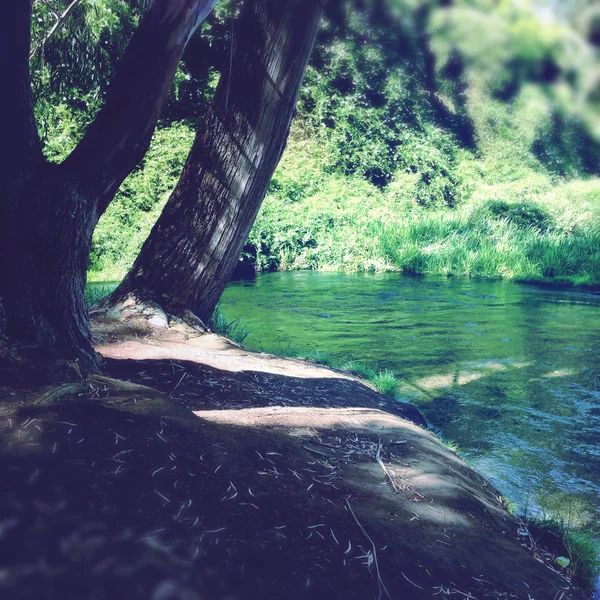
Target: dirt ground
(196,470)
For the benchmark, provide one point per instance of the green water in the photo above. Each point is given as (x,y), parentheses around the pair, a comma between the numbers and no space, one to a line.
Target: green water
(509,372)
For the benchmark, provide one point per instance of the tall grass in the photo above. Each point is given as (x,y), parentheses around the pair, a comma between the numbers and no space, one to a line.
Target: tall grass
(459,245)
(234,330)
(93,294)
(385,382)
(359,368)
(545,235)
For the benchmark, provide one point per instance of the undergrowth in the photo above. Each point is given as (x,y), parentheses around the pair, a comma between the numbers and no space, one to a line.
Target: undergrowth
(385,382)
(548,234)
(95,293)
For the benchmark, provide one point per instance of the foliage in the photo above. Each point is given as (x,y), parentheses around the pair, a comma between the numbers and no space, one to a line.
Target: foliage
(369,175)
(385,382)
(524,214)
(71,70)
(351,226)
(359,368)
(129,218)
(451,445)
(95,293)
(509,505)
(366,111)
(376,175)
(321,358)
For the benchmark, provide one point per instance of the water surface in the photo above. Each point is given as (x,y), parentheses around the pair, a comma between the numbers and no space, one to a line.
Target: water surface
(509,372)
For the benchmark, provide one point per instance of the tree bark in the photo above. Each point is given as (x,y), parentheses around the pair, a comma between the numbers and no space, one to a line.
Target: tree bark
(191,252)
(47,211)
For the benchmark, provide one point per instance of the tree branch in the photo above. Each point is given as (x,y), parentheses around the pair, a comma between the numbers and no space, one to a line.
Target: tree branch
(59,23)
(121,133)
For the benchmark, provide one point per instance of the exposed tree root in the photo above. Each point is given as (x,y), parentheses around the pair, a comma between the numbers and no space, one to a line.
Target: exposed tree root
(145,316)
(120,385)
(56,394)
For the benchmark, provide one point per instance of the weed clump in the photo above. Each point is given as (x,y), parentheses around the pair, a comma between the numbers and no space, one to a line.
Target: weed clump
(576,550)
(234,330)
(385,382)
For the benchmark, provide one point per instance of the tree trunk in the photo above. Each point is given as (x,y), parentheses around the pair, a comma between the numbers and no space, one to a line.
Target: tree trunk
(191,252)
(43,276)
(48,212)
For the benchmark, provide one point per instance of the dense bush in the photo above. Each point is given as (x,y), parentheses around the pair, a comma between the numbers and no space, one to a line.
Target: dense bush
(522,214)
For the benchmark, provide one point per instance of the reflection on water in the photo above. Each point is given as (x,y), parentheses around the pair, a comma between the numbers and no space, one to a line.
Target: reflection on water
(509,372)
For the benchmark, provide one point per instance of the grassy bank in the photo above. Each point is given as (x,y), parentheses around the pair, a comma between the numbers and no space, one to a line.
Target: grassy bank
(549,234)
(577,549)
(572,548)
(546,233)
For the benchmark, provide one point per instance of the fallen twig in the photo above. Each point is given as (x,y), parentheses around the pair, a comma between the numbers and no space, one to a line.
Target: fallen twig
(315,451)
(379,580)
(385,469)
(410,581)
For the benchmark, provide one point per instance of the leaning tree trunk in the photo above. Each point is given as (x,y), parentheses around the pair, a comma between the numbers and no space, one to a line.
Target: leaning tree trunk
(47,211)
(193,248)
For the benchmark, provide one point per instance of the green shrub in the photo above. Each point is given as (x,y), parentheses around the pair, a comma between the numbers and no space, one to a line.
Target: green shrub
(522,214)
(95,293)
(360,369)
(127,222)
(580,547)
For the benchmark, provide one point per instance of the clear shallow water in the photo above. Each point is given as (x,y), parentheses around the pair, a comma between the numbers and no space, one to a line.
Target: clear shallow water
(509,372)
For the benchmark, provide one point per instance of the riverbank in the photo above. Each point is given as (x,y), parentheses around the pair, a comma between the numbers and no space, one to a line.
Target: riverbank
(538,233)
(202,470)
(505,371)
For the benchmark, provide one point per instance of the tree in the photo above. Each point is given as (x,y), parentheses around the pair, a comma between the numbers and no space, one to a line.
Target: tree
(192,250)
(48,211)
